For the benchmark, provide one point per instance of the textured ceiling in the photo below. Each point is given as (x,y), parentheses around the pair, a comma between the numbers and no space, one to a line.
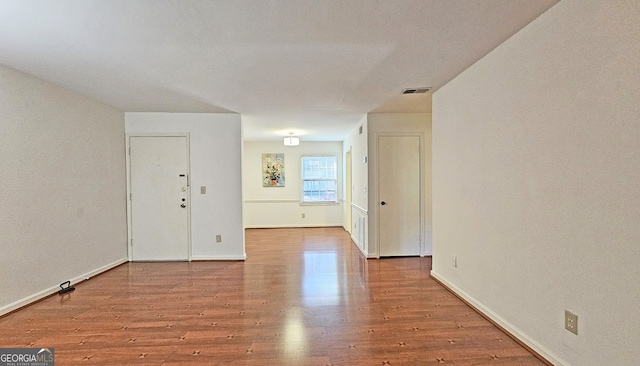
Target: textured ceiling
(311,67)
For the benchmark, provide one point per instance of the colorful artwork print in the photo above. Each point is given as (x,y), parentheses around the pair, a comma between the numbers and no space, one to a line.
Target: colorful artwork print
(273,170)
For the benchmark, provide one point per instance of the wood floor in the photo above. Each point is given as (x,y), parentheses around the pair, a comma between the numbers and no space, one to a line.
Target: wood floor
(303,297)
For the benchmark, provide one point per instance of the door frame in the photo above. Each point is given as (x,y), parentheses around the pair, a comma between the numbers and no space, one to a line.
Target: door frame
(128,136)
(420,135)
(348,191)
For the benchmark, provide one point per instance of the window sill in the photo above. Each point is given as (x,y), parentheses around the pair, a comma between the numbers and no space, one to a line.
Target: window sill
(320,203)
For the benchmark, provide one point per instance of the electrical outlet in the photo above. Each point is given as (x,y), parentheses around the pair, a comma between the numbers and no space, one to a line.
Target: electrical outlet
(218,238)
(303,216)
(454,260)
(571,322)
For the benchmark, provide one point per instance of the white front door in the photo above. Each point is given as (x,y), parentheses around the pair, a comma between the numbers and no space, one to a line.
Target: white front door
(399,195)
(159,198)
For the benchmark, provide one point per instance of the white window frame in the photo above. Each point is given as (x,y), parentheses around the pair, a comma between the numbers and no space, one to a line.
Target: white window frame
(302,180)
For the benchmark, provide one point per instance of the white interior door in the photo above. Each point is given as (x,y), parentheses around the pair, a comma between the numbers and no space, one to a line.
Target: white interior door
(159,198)
(399,195)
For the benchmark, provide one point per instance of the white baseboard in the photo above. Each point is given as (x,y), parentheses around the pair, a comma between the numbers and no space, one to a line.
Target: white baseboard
(221,258)
(366,255)
(355,241)
(52,290)
(507,326)
(290,226)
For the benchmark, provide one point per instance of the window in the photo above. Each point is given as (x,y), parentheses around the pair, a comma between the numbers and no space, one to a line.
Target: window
(319,179)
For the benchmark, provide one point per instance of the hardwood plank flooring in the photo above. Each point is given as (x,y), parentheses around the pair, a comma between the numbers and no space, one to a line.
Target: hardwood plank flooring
(303,297)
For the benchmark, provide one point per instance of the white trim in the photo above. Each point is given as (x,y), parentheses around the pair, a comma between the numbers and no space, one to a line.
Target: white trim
(290,226)
(320,203)
(273,201)
(541,350)
(421,193)
(357,243)
(221,258)
(364,211)
(335,179)
(347,189)
(52,290)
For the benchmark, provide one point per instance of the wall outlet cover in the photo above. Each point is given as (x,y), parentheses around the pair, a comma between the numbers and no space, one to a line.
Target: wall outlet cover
(571,322)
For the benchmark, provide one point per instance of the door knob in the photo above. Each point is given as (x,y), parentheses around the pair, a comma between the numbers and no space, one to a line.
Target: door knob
(383,203)
(183,205)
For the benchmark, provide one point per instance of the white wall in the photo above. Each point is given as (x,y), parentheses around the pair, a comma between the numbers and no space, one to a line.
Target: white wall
(400,124)
(216,162)
(62,210)
(269,207)
(536,182)
(357,142)
(364,196)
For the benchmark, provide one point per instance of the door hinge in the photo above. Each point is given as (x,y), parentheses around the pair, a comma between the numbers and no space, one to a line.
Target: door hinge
(131,242)
(130,196)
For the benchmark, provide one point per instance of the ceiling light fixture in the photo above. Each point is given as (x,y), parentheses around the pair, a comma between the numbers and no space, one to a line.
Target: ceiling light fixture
(291,140)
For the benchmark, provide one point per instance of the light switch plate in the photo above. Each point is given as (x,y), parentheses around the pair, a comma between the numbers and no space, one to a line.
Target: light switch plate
(203,189)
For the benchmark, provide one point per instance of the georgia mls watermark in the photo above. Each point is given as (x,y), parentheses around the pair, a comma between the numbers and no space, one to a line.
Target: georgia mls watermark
(26,357)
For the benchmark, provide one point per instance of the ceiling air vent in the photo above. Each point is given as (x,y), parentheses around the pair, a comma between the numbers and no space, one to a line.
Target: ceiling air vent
(416,90)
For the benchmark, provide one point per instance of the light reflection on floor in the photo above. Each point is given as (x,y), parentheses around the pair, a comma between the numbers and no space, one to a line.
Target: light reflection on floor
(320,285)
(295,336)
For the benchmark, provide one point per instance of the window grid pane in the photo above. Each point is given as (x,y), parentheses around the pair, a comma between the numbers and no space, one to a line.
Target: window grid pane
(319,179)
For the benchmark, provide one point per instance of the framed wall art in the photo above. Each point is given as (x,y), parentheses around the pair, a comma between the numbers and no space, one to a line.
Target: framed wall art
(273,170)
